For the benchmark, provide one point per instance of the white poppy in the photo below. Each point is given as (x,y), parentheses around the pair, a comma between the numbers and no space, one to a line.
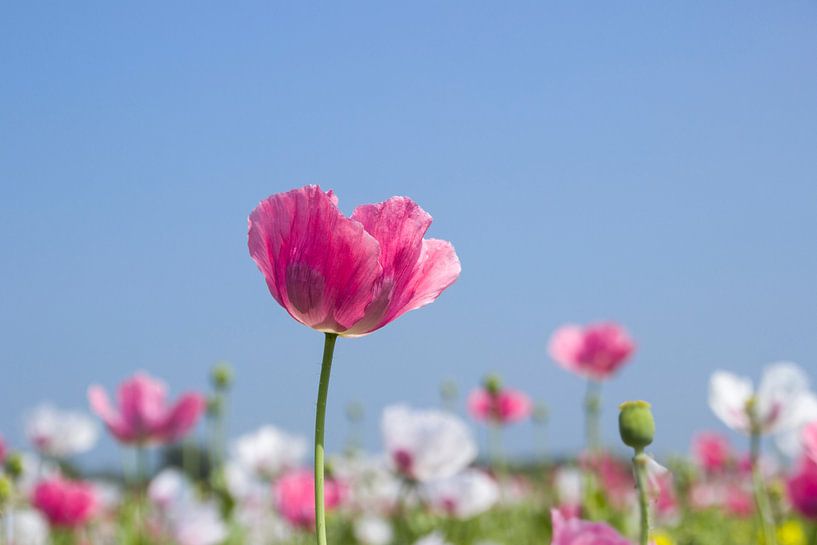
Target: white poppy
(183,515)
(28,526)
(464,495)
(269,451)
(780,402)
(59,433)
(371,530)
(567,481)
(426,445)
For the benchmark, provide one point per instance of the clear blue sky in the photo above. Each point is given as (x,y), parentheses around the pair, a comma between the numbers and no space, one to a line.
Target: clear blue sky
(650,163)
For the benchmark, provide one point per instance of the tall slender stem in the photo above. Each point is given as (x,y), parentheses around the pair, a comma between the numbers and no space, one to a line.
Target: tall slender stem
(592,408)
(320,423)
(761,499)
(640,470)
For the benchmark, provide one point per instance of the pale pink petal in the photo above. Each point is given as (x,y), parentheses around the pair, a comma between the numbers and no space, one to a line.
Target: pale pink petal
(320,266)
(142,403)
(101,405)
(810,441)
(182,417)
(575,531)
(480,404)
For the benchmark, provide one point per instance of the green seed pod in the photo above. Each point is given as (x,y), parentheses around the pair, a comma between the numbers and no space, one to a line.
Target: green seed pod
(5,490)
(14,465)
(636,424)
(222,376)
(492,384)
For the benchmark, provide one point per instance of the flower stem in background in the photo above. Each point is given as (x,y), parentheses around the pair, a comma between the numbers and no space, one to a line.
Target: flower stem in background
(320,424)
(592,413)
(764,513)
(637,429)
(640,469)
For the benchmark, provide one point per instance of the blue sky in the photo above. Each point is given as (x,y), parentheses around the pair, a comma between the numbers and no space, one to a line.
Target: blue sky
(653,164)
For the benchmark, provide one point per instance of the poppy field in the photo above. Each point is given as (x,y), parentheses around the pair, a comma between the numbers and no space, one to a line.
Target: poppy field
(186,479)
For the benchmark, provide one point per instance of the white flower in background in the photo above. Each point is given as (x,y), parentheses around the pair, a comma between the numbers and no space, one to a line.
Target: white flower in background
(373,487)
(187,519)
(782,401)
(108,495)
(567,481)
(261,524)
(426,445)
(371,530)
(434,538)
(269,451)
(29,527)
(790,441)
(464,495)
(59,433)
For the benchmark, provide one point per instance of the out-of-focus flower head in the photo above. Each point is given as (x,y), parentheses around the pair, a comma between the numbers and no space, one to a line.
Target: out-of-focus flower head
(372,530)
(493,403)
(575,531)
(65,503)
(58,433)
(425,445)
(295,497)
(463,495)
(711,451)
(268,451)
(802,488)
(143,415)
(594,351)
(782,403)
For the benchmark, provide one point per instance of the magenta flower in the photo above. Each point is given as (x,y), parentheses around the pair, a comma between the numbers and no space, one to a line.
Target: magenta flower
(711,451)
(348,276)
(143,415)
(595,351)
(295,497)
(65,503)
(802,488)
(502,407)
(3,450)
(581,532)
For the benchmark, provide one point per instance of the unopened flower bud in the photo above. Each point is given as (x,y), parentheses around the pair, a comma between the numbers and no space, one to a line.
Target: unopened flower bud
(636,424)
(5,490)
(14,465)
(492,384)
(222,376)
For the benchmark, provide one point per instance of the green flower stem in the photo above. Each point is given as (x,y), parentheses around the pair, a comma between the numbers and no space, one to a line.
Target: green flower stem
(640,470)
(592,412)
(320,422)
(761,499)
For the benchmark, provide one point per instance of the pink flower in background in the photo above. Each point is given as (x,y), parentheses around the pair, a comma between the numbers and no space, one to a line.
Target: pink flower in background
(802,488)
(3,450)
(295,497)
(143,415)
(711,451)
(503,407)
(595,351)
(810,441)
(739,501)
(65,503)
(581,532)
(348,275)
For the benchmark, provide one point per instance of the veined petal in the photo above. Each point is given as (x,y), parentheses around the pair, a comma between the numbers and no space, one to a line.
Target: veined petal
(728,395)
(780,390)
(182,417)
(321,266)
(101,405)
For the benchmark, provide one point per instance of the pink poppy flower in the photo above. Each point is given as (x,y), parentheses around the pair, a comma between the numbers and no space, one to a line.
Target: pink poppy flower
(711,451)
(143,415)
(595,351)
(3,450)
(65,503)
(348,275)
(503,406)
(581,532)
(802,489)
(295,497)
